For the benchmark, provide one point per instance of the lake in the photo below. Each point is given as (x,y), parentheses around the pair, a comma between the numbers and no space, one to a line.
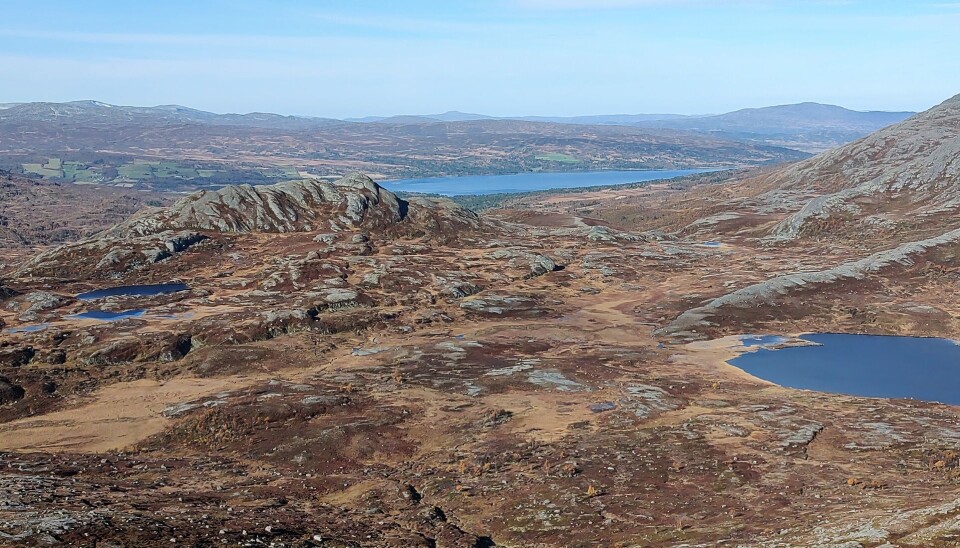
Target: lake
(27,328)
(105,315)
(861,365)
(133,291)
(526,182)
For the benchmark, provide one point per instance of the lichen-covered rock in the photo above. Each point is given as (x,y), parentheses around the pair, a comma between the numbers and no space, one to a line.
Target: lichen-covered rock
(119,351)
(461,290)
(355,205)
(492,304)
(534,263)
(38,302)
(183,241)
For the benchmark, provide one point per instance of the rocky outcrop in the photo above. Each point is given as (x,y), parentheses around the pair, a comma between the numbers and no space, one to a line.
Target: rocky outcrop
(354,204)
(534,264)
(293,206)
(108,255)
(697,318)
(503,304)
(599,234)
(35,303)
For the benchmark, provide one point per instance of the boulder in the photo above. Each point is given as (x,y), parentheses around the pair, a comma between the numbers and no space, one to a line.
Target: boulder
(492,304)
(41,301)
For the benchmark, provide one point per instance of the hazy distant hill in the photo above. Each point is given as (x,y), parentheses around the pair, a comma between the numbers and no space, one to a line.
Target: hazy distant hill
(607,119)
(456,116)
(449,116)
(95,112)
(800,116)
(812,127)
(173,147)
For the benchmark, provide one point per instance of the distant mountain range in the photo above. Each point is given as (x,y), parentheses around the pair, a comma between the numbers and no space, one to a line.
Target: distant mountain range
(457,116)
(810,127)
(813,119)
(96,112)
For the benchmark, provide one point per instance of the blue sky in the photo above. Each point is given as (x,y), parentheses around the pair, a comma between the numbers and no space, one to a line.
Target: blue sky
(502,57)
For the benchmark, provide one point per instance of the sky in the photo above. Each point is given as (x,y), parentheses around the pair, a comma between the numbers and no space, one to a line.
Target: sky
(354,58)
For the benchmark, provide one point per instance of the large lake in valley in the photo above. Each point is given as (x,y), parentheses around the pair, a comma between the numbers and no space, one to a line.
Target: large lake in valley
(526,182)
(860,365)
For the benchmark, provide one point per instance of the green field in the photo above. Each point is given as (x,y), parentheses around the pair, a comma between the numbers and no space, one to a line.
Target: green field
(148,169)
(558,157)
(79,172)
(169,174)
(174,170)
(138,169)
(43,170)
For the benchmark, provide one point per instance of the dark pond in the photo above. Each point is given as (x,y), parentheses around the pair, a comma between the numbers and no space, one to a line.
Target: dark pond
(133,291)
(525,182)
(862,365)
(105,315)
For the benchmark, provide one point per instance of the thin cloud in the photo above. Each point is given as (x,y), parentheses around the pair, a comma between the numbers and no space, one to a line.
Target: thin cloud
(186,40)
(598,4)
(623,4)
(406,24)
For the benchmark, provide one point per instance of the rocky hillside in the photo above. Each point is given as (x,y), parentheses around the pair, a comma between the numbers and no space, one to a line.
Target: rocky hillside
(873,221)
(897,185)
(354,205)
(887,180)
(34,213)
(294,206)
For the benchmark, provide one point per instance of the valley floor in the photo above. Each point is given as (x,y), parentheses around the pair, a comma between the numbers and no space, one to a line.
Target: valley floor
(541,410)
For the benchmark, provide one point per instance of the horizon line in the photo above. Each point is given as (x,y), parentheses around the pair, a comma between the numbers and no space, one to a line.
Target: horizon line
(376,117)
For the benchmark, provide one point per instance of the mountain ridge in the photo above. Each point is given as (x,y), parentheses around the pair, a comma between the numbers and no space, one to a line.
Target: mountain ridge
(803,108)
(808,127)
